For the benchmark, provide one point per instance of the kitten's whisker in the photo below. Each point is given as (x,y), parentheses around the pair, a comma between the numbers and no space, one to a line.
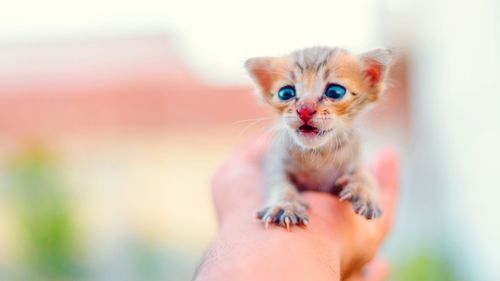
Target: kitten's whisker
(275,135)
(255,122)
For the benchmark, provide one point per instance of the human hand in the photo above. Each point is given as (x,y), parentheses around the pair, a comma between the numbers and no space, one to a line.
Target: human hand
(342,240)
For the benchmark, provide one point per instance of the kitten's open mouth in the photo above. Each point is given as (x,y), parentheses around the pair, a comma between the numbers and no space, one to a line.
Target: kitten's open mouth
(309,130)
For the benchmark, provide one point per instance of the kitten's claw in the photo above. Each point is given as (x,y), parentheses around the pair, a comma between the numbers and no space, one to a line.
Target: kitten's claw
(361,210)
(305,223)
(287,222)
(364,202)
(286,214)
(267,221)
(345,195)
(260,214)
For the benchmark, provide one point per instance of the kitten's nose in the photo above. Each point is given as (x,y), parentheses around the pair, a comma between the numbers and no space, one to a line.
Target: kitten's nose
(306,112)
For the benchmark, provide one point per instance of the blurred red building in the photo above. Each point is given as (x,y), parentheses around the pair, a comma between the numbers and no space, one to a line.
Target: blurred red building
(100,84)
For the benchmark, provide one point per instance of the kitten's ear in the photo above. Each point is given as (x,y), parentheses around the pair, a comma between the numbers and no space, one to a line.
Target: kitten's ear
(376,65)
(261,69)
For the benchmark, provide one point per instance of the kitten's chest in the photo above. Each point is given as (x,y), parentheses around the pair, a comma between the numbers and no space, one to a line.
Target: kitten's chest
(317,171)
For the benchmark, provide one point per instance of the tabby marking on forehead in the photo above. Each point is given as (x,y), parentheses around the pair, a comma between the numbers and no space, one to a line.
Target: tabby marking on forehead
(317,92)
(313,58)
(310,72)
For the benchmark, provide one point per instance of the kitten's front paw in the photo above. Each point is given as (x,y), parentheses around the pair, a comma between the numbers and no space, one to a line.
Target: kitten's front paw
(364,200)
(284,213)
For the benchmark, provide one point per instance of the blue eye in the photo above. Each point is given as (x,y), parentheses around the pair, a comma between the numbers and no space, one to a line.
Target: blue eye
(286,93)
(335,91)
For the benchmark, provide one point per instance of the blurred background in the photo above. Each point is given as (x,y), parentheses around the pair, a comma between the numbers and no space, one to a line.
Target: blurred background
(115,114)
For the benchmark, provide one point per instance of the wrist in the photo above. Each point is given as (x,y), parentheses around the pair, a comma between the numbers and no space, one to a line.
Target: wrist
(245,250)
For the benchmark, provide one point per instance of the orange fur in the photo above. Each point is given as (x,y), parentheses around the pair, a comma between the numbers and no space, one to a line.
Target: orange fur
(315,151)
(311,70)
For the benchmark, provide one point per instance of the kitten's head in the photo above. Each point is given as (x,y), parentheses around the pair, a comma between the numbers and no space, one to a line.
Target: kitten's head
(319,91)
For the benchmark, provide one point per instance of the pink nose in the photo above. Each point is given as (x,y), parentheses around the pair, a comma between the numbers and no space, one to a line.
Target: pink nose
(306,113)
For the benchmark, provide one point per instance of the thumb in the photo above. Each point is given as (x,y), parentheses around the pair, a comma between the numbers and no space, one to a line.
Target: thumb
(387,174)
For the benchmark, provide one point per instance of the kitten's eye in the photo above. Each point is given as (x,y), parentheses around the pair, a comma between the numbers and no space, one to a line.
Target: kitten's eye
(335,91)
(286,93)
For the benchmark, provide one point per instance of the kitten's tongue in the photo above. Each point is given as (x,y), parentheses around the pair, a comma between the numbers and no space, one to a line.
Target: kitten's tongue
(308,129)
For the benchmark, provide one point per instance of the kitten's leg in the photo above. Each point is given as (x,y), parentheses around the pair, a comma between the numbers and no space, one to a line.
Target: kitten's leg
(361,189)
(284,206)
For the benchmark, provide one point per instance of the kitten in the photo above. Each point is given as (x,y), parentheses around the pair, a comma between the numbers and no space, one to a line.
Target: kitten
(318,92)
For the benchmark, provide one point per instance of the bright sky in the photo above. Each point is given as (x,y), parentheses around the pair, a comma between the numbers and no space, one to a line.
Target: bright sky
(216,36)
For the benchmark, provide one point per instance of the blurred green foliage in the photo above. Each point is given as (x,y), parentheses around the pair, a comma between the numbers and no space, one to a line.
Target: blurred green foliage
(52,250)
(425,265)
(45,217)
(42,207)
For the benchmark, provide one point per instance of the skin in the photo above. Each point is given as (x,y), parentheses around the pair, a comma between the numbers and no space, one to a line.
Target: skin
(336,244)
